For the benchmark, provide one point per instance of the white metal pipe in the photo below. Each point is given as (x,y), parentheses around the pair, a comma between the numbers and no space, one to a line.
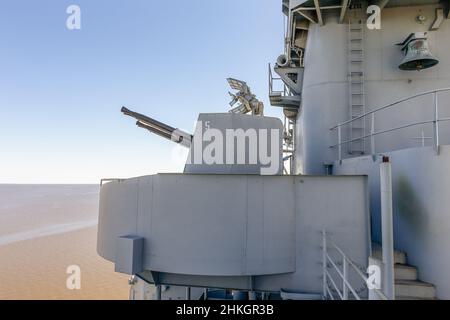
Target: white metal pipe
(293,158)
(387,228)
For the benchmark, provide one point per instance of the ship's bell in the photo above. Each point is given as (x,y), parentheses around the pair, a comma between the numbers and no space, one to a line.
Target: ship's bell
(417,53)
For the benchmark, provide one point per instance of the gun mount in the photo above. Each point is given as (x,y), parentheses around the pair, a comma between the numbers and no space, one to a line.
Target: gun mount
(159,128)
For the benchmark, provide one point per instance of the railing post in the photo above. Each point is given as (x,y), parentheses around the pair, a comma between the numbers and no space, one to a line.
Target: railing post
(372,134)
(339,143)
(344,278)
(436,124)
(324,263)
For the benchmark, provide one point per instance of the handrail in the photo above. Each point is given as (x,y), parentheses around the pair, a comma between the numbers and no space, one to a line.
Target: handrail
(390,130)
(344,279)
(390,105)
(285,92)
(346,261)
(435,121)
(334,285)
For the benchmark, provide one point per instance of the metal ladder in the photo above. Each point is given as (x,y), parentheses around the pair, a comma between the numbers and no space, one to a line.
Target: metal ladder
(357,106)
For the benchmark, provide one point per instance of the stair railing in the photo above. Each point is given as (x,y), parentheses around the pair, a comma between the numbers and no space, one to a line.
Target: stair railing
(343,274)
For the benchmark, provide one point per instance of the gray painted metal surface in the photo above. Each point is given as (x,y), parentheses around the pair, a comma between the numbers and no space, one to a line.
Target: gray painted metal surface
(421,215)
(224,122)
(251,232)
(206,230)
(325,98)
(128,258)
(421,223)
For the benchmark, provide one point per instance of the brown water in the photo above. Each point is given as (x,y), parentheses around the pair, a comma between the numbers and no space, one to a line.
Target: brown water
(43,230)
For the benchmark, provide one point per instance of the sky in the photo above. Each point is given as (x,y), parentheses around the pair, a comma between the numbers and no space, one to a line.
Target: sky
(61,90)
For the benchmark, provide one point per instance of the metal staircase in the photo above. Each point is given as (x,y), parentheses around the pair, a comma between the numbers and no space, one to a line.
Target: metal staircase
(357,105)
(407,284)
(345,280)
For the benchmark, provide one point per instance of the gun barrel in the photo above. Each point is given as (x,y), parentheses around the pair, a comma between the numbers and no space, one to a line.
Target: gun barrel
(159,128)
(161,133)
(147,120)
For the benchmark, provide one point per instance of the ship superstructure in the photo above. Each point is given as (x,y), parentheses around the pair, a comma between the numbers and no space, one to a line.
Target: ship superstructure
(375,83)
(363,84)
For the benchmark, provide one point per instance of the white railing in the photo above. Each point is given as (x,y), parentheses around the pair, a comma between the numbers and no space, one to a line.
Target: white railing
(345,290)
(435,120)
(272,80)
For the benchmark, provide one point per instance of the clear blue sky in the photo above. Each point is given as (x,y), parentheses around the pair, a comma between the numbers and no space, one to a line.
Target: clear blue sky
(61,90)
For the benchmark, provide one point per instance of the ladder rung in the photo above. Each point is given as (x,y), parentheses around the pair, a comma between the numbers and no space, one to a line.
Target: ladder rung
(355,62)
